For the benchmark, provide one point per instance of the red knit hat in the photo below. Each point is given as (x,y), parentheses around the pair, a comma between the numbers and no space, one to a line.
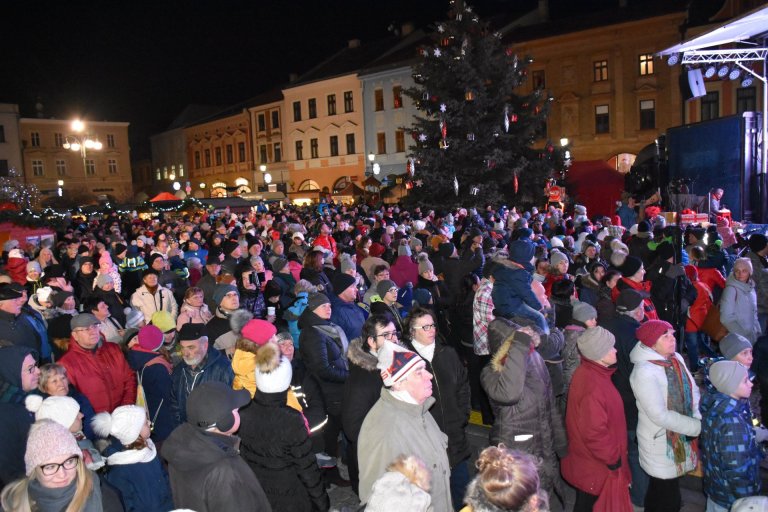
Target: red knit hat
(650,332)
(258,331)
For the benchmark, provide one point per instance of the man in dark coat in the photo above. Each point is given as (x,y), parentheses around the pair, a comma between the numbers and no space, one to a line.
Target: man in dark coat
(199,364)
(323,347)
(671,290)
(19,375)
(13,325)
(363,386)
(345,311)
(206,471)
(630,312)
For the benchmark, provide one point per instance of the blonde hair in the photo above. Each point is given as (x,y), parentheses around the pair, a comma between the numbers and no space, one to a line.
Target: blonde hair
(47,371)
(15,496)
(414,469)
(510,480)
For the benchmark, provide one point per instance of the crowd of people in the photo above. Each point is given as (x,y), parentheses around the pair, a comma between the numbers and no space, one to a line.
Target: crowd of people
(227,361)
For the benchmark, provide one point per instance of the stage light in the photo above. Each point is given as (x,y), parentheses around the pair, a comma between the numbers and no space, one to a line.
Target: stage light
(722,72)
(747,81)
(710,72)
(673,59)
(734,74)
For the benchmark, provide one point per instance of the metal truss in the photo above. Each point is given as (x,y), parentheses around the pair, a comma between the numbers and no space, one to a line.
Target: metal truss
(717,56)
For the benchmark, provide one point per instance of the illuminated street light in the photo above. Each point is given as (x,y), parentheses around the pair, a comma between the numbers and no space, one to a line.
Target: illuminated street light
(263,168)
(202,185)
(564,141)
(60,190)
(376,168)
(267,178)
(176,186)
(81,143)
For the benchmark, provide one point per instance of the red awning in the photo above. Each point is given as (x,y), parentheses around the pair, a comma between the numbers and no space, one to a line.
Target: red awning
(164,196)
(596,185)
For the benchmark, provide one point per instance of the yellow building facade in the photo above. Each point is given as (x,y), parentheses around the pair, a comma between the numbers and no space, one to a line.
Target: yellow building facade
(85,174)
(267,128)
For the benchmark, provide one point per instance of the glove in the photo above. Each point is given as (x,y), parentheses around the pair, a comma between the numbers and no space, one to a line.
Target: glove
(761,434)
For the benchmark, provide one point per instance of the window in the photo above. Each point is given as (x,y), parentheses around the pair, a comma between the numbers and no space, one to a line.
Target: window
(278,150)
(334,145)
(350,143)
(746,100)
(348,103)
(35,138)
(263,153)
(112,166)
(647,114)
(646,64)
(312,108)
(314,151)
(600,70)
(207,157)
(378,100)
(157,175)
(299,150)
(218,156)
(58,139)
(90,167)
(241,151)
(397,96)
(37,168)
(399,141)
(197,161)
(4,168)
(2,134)
(297,111)
(275,120)
(710,106)
(309,185)
(165,173)
(602,119)
(381,143)
(110,140)
(230,154)
(262,122)
(331,104)
(61,168)
(181,170)
(539,79)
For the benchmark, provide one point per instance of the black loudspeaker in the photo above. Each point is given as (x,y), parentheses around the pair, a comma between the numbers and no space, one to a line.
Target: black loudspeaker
(692,84)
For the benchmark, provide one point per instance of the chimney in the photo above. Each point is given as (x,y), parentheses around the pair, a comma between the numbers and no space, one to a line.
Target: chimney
(406,28)
(543,10)
(354,43)
(292,77)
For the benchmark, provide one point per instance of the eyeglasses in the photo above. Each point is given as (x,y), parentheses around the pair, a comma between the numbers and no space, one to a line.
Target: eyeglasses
(31,368)
(52,469)
(395,290)
(94,327)
(427,327)
(387,335)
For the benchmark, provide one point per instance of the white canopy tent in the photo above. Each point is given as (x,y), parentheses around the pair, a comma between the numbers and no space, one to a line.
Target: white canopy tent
(747,41)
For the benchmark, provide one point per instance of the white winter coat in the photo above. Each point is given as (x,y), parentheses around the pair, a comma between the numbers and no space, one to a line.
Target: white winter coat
(649,384)
(148,304)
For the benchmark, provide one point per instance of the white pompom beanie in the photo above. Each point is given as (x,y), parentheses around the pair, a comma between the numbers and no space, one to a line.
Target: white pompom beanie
(124,424)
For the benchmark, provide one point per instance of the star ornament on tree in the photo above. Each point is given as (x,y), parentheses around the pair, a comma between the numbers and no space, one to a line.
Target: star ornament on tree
(443,107)
(419,183)
(437,52)
(440,29)
(422,137)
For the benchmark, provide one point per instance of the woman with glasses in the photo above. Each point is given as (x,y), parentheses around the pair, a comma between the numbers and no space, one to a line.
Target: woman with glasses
(56,478)
(450,390)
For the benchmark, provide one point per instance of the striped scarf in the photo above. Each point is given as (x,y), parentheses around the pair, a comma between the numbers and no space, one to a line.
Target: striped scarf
(680,448)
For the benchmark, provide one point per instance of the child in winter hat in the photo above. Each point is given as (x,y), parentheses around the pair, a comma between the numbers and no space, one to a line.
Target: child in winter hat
(252,334)
(132,457)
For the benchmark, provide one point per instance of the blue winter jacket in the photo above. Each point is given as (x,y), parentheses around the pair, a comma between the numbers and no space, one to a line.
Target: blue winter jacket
(292,314)
(349,316)
(512,289)
(216,367)
(143,486)
(729,452)
(156,381)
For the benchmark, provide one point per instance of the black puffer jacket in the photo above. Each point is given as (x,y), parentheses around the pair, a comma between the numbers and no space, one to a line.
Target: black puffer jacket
(361,390)
(15,419)
(207,473)
(276,446)
(623,329)
(322,351)
(450,390)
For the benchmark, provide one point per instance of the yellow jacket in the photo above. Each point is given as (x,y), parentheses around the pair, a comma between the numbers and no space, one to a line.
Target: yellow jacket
(244,366)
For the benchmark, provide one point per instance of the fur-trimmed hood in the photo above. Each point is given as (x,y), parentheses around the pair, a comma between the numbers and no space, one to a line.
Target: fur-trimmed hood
(359,357)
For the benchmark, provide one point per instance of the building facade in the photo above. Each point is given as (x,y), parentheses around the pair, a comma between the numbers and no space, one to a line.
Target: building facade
(169,158)
(89,173)
(10,139)
(268,147)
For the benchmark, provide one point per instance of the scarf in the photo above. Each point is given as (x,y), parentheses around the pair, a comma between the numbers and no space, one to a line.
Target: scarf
(425,351)
(44,498)
(11,394)
(679,399)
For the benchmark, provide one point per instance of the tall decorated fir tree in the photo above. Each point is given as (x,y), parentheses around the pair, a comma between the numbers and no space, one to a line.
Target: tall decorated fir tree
(474,136)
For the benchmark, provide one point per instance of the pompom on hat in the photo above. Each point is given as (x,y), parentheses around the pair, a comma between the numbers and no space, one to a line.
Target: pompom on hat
(48,441)
(273,371)
(61,409)
(396,362)
(124,424)
(649,332)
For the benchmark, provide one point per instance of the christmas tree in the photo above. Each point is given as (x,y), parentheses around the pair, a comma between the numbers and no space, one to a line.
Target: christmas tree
(14,190)
(475,133)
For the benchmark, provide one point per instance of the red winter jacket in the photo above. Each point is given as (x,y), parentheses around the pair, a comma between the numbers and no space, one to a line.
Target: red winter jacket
(404,270)
(597,430)
(712,278)
(697,312)
(102,375)
(16,268)
(644,288)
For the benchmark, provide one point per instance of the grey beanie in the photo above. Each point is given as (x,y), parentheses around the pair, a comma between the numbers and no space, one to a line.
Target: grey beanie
(279,264)
(732,344)
(403,250)
(727,375)
(415,244)
(345,263)
(595,343)
(384,286)
(424,264)
(583,311)
(556,257)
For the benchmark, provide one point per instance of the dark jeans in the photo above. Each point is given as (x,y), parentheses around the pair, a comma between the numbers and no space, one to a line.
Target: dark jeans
(663,495)
(459,482)
(584,501)
(479,397)
(639,476)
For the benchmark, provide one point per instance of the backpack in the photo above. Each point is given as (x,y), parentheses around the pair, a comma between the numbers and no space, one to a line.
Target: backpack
(141,396)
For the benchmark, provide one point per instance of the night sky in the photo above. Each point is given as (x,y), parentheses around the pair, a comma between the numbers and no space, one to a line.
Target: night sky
(143,62)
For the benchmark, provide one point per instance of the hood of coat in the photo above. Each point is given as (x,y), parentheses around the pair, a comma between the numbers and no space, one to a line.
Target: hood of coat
(740,286)
(642,353)
(359,357)
(190,448)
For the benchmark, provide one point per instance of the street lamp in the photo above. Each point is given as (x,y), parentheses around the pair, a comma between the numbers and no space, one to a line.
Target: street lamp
(60,183)
(267,178)
(81,143)
(375,167)
(176,186)
(263,168)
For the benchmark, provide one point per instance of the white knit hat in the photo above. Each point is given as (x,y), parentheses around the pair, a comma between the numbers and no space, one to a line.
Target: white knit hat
(47,442)
(44,294)
(396,362)
(273,371)
(124,424)
(61,409)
